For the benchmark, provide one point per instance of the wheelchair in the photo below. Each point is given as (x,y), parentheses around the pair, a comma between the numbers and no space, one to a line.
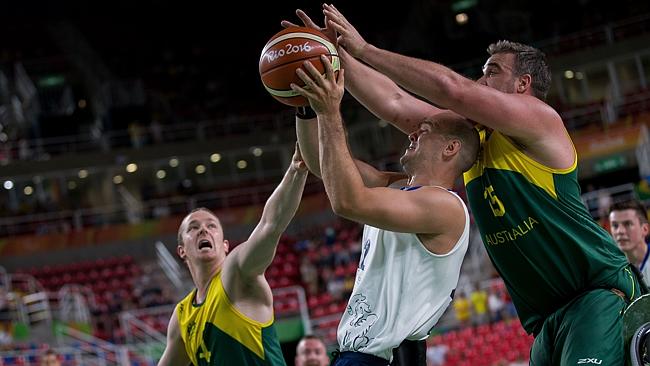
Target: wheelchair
(636,330)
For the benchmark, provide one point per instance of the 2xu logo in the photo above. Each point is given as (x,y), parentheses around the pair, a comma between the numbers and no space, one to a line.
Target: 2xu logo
(590,360)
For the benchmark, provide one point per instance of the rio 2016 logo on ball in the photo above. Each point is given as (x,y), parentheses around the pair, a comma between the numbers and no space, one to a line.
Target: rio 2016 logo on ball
(285,52)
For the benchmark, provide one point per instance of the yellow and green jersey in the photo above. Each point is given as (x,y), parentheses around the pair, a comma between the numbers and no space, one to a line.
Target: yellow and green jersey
(216,333)
(537,232)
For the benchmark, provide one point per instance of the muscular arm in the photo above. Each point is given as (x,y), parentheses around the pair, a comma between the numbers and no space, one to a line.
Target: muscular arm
(515,115)
(428,210)
(174,354)
(528,121)
(243,271)
(383,97)
(253,257)
(307,132)
(375,91)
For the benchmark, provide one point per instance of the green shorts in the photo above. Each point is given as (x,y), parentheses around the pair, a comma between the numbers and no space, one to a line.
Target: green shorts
(588,330)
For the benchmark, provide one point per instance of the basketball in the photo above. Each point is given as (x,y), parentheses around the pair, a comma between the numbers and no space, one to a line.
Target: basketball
(285,52)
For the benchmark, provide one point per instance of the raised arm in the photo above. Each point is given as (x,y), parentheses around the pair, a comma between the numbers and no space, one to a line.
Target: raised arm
(383,97)
(425,211)
(252,257)
(174,354)
(524,118)
(375,91)
(307,131)
(520,116)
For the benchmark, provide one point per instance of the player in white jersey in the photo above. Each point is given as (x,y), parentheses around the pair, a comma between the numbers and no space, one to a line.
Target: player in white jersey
(414,238)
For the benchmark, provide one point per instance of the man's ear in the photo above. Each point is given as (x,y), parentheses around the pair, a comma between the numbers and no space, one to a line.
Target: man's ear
(452,148)
(524,83)
(180,250)
(226,245)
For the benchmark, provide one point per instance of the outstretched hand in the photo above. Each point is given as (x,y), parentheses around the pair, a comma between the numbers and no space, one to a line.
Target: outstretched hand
(324,92)
(349,38)
(309,23)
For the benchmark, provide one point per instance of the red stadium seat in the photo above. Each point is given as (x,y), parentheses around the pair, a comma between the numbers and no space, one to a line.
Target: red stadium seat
(325,298)
(318,312)
(80,278)
(312,302)
(284,282)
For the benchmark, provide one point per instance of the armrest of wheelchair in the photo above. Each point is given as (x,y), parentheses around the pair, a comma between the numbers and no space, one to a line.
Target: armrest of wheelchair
(636,329)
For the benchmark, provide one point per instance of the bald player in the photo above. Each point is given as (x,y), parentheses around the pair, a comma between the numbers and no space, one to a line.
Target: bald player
(228,318)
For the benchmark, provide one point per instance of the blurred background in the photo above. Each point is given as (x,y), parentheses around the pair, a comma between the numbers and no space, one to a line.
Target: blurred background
(117,118)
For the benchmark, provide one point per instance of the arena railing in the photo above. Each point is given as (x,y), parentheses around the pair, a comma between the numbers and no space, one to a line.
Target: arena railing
(75,302)
(609,34)
(142,338)
(97,140)
(170,266)
(618,193)
(580,40)
(93,350)
(31,357)
(66,220)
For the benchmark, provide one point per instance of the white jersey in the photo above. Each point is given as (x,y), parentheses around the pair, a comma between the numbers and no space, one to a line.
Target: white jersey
(645,267)
(401,290)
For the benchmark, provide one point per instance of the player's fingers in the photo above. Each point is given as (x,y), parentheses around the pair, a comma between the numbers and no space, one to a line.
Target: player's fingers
(329,71)
(331,9)
(327,7)
(306,19)
(329,15)
(337,27)
(340,18)
(287,24)
(311,85)
(304,77)
(329,32)
(343,18)
(340,81)
(302,91)
(315,75)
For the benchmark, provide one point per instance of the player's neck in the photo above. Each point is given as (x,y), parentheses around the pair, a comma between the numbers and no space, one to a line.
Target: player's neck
(202,274)
(428,180)
(636,255)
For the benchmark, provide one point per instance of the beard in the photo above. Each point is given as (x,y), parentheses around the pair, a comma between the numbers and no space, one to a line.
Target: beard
(406,161)
(403,160)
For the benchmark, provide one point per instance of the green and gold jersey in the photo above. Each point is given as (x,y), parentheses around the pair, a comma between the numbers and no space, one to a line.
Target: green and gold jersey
(537,231)
(216,333)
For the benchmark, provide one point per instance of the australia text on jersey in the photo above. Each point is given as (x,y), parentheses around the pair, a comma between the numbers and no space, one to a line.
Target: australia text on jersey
(504,236)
